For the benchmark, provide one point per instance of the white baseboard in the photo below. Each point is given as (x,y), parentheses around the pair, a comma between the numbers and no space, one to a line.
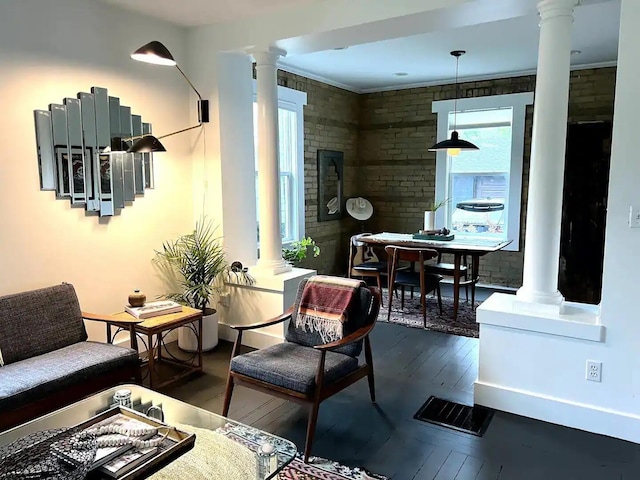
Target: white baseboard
(255,338)
(591,418)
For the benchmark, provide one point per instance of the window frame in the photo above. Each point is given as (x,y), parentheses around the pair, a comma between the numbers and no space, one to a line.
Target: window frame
(518,102)
(292,100)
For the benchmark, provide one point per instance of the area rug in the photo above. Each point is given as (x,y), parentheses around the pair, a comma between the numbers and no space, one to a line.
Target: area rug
(317,468)
(411,315)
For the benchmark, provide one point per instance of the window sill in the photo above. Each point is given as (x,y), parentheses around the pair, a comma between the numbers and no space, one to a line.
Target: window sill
(578,320)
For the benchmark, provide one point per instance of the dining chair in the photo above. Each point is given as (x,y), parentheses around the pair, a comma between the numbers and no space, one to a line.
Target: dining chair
(447,270)
(363,261)
(427,282)
(305,369)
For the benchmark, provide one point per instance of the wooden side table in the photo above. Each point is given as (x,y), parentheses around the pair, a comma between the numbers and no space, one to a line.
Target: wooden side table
(156,326)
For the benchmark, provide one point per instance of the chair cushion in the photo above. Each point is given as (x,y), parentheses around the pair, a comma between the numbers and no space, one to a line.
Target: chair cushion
(36,377)
(444,268)
(413,279)
(292,366)
(358,316)
(39,321)
(371,267)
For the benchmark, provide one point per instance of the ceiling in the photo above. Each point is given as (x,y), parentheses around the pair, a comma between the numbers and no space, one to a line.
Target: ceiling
(191,13)
(496,49)
(503,48)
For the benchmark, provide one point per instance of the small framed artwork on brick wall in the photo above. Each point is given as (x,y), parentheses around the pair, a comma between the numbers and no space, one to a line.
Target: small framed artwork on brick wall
(330,179)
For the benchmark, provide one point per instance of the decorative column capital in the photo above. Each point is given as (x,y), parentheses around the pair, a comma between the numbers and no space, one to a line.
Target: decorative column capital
(556,8)
(267,56)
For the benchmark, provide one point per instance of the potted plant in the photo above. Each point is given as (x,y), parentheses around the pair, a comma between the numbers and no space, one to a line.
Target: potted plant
(195,264)
(430,213)
(298,250)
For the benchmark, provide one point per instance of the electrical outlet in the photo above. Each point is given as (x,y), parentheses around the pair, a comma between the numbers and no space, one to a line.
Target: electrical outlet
(594,371)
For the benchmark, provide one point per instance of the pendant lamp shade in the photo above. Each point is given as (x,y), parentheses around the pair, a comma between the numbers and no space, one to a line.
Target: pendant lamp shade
(454,144)
(154,52)
(146,144)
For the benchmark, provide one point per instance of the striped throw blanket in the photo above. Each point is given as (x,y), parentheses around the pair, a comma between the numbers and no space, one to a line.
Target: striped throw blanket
(324,305)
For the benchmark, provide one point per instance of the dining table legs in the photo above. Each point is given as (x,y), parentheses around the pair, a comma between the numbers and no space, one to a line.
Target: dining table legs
(457,258)
(475,265)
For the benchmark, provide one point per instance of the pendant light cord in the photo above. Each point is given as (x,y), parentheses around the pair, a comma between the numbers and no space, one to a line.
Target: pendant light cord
(455,100)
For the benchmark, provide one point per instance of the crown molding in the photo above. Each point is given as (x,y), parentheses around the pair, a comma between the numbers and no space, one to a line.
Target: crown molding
(433,83)
(319,78)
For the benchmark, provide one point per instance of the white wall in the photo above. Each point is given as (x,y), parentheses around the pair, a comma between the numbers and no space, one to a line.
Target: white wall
(51,50)
(225,170)
(542,375)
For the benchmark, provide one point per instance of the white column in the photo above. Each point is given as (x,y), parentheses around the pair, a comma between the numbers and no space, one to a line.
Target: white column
(546,175)
(268,165)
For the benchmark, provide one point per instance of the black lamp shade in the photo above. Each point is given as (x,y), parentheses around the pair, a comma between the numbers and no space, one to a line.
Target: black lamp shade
(154,52)
(148,143)
(453,142)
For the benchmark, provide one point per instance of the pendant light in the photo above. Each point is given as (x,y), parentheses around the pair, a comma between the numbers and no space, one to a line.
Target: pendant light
(455,144)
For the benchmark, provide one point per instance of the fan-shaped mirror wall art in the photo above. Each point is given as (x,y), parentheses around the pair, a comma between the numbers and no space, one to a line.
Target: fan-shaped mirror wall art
(82,152)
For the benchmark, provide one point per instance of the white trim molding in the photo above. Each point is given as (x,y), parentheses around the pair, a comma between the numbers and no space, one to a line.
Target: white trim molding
(577,320)
(518,102)
(319,78)
(590,418)
(295,101)
(430,83)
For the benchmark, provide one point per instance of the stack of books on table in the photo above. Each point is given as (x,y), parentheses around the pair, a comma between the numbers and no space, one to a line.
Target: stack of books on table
(153,309)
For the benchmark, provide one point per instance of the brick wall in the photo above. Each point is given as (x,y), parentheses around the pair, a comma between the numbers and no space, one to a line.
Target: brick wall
(397,127)
(330,123)
(385,136)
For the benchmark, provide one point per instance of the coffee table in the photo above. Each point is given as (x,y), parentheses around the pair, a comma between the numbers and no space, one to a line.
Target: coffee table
(159,327)
(175,412)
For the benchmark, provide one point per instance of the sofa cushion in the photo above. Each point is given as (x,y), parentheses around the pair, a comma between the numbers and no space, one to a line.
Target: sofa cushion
(292,366)
(39,321)
(358,317)
(36,377)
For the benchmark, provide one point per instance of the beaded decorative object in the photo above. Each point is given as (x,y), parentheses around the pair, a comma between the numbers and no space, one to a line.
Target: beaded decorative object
(83,439)
(31,456)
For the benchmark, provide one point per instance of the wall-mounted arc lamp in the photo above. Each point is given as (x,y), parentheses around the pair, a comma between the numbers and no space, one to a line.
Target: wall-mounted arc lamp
(156,53)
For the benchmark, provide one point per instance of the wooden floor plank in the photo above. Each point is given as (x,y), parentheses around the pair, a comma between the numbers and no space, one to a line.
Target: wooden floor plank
(410,365)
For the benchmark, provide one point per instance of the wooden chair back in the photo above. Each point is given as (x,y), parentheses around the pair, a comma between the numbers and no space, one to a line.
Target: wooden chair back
(397,253)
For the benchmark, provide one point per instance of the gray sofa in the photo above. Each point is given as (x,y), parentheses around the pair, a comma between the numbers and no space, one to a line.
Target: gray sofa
(46,361)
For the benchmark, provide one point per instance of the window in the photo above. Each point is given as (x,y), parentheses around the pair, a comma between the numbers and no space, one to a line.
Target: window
(291,153)
(483,186)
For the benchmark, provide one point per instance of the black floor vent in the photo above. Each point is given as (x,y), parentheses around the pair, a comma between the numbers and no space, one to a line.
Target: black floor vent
(463,418)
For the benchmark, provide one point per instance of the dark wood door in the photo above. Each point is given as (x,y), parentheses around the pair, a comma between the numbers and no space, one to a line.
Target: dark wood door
(584,209)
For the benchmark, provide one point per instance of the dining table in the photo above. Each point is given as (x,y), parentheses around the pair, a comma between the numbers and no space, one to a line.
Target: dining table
(460,248)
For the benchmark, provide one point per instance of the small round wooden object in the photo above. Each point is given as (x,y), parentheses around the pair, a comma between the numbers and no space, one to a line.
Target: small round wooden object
(137,299)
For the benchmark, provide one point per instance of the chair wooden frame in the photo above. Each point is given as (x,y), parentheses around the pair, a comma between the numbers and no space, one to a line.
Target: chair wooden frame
(413,255)
(353,271)
(448,270)
(315,397)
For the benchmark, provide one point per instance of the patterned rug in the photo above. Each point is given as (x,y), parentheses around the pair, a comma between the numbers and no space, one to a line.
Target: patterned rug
(411,315)
(317,468)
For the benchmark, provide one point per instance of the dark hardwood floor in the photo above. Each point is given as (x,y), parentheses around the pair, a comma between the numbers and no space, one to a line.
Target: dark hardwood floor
(411,364)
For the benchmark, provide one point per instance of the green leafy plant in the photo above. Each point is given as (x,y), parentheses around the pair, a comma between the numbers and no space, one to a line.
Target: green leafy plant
(433,206)
(297,251)
(195,263)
